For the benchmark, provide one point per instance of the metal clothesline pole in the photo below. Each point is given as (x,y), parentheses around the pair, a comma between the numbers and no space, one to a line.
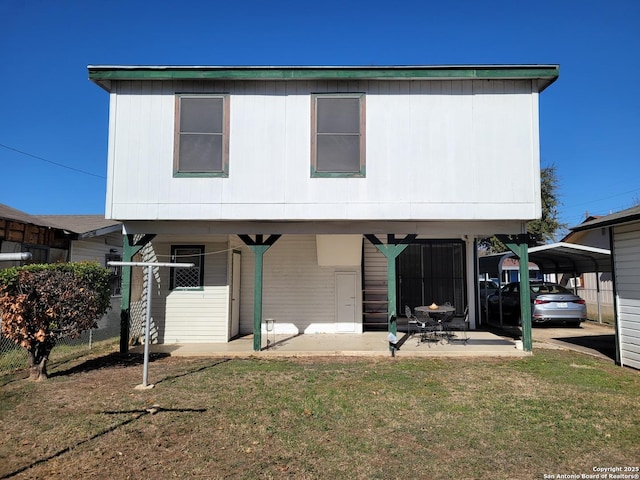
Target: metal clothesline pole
(147,327)
(15,257)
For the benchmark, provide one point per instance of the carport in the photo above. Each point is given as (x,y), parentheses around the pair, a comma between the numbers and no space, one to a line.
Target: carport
(555,258)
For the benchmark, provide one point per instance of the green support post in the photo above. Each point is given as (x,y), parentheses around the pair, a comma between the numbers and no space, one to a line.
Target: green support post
(521,250)
(391,289)
(259,246)
(391,251)
(258,251)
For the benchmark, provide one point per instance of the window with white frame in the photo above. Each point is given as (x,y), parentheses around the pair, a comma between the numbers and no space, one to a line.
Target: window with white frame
(338,135)
(185,278)
(202,136)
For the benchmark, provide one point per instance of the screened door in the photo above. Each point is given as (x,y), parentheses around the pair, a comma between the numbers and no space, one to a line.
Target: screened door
(432,272)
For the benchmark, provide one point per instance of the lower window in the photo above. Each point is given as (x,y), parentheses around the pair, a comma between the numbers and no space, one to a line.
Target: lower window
(187,277)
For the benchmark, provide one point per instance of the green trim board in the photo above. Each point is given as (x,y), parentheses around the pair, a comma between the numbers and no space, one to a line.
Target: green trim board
(360,174)
(548,73)
(200,174)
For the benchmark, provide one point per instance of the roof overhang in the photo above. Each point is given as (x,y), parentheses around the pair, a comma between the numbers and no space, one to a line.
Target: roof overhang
(556,258)
(103,75)
(622,217)
(426,229)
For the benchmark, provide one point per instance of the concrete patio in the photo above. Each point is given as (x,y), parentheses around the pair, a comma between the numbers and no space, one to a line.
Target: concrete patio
(479,344)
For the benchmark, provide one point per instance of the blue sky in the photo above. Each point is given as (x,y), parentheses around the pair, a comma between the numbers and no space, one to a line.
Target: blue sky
(53,120)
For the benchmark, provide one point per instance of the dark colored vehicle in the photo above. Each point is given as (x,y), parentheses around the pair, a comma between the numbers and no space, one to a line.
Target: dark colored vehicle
(485,290)
(550,303)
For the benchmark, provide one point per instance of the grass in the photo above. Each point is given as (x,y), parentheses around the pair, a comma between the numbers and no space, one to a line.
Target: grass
(556,412)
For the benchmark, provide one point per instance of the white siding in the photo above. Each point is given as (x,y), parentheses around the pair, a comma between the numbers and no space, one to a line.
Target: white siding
(94,249)
(197,316)
(627,265)
(434,150)
(375,267)
(297,293)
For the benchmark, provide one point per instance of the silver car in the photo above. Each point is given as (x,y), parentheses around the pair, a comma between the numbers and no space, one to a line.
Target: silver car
(550,303)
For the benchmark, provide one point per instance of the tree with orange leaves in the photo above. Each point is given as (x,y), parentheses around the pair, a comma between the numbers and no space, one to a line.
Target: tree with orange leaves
(40,304)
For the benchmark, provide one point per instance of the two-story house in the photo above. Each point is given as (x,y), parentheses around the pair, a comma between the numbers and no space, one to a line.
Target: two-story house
(325,198)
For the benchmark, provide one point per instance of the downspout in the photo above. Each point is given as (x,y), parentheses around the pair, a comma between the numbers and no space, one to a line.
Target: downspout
(616,317)
(598,297)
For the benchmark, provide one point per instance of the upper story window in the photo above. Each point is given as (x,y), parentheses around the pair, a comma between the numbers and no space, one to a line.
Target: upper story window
(338,135)
(202,136)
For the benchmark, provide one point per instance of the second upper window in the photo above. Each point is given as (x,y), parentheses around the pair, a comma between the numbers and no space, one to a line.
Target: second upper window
(202,136)
(337,135)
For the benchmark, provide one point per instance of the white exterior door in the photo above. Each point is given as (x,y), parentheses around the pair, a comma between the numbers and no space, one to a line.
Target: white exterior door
(346,302)
(234,327)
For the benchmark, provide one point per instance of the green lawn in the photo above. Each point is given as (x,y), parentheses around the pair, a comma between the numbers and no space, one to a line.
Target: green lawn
(554,413)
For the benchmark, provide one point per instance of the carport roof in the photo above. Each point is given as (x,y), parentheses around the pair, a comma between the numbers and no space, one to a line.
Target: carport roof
(556,258)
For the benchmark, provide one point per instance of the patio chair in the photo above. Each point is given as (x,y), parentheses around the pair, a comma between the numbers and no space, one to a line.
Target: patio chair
(457,323)
(412,322)
(429,327)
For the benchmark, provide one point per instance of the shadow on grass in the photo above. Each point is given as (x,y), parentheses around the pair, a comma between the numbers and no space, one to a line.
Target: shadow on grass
(195,370)
(118,360)
(112,360)
(137,414)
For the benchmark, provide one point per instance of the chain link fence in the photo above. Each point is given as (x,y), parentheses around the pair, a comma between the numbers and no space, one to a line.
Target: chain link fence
(14,357)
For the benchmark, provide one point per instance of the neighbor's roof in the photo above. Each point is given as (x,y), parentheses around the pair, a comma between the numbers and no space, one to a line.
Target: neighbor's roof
(84,226)
(10,213)
(624,216)
(104,74)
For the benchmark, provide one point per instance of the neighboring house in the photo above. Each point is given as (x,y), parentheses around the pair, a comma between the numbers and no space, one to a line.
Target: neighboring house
(595,287)
(21,232)
(623,228)
(325,198)
(511,271)
(65,238)
(96,239)
(93,239)
(59,238)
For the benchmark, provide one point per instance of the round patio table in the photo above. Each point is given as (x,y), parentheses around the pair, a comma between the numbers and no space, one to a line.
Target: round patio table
(441,310)
(440,314)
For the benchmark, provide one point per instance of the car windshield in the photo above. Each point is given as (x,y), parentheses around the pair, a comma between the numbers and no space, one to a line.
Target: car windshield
(550,289)
(488,284)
